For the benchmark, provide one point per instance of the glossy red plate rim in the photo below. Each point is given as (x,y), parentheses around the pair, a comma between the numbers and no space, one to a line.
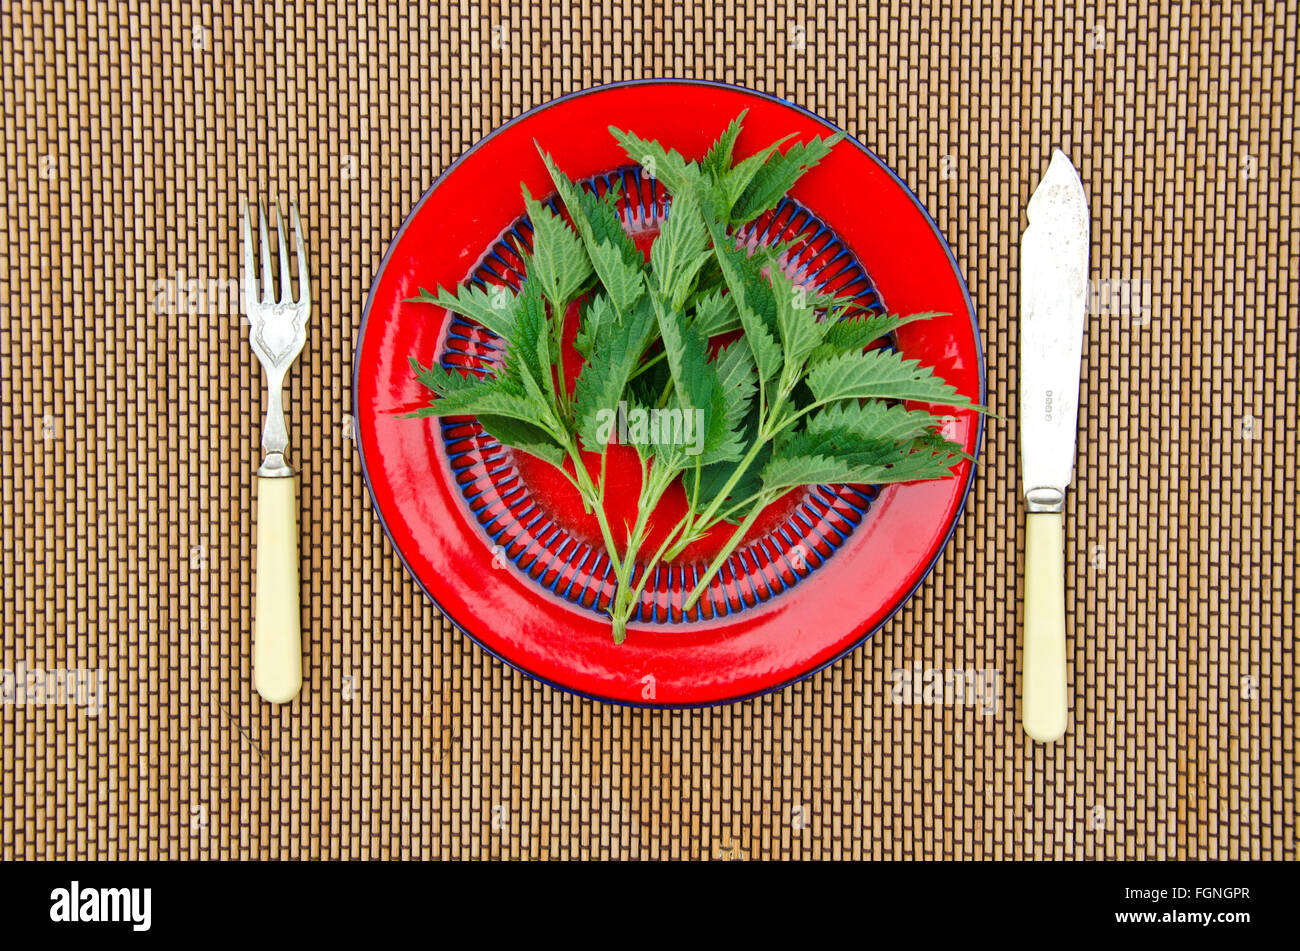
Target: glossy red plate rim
(856,639)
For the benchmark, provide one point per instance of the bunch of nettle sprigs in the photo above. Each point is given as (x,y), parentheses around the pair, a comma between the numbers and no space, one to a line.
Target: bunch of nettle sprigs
(804,395)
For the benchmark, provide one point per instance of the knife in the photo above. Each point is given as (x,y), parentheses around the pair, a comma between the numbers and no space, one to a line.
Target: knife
(1053,302)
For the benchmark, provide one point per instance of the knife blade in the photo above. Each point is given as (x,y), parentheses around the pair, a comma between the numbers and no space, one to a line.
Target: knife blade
(1053,307)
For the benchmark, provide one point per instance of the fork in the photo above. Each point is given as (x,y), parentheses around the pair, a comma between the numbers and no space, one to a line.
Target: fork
(276,332)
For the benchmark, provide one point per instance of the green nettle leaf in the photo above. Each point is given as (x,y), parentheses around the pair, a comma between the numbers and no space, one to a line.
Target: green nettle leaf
(857,333)
(745,275)
(830,303)
(688,360)
(606,224)
(754,303)
(714,478)
(489,306)
(842,444)
(528,344)
(664,165)
(442,381)
(525,437)
(796,319)
(879,374)
(696,386)
(594,216)
(715,314)
(788,472)
(459,395)
(680,250)
(776,177)
(591,317)
(767,352)
(732,185)
(737,383)
(738,375)
(934,441)
(614,256)
(717,162)
(651,380)
(656,433)
(709,281)
(558,259)
(624,282)
(872,421)
(616,348)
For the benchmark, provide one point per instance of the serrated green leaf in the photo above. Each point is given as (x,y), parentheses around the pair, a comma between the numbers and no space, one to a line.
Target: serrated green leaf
(872,421)
(687,356)
(696,386)
(735,182)
(744,275)
(528,357)
(708,282)
(715,313)
(666,166)
(785,472)
(935,441)
(854,334)
(601,213)
(594,216)
(650,381)
(796,319)
(459,395)
(777,176)
(737,383)
(680,250)
(675,437)
(613,255)
(595,313)
(714,478)
(754,302)
(616,348)
(767,352)
(490,307)
(842,444)
(442,381)
(717,161)
(558,260)
(525,437)
(879,374)
(624,282)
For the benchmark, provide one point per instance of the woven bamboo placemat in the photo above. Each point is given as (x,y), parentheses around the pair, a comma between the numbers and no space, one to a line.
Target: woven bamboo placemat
(130,410)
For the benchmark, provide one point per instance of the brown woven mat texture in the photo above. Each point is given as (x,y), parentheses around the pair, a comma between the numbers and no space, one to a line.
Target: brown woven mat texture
(131,411)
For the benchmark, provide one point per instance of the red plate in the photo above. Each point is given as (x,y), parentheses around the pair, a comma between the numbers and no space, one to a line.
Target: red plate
(501,545)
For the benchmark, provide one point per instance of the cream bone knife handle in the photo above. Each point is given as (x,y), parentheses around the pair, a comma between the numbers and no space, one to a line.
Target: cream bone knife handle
(1043,711)
(277,632)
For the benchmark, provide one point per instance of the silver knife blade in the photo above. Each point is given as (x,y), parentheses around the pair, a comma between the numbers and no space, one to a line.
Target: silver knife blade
(1053,304)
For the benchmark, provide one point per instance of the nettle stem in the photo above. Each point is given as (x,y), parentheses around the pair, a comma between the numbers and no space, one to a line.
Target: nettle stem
(654,484)
(591,495)
(737,537)
(696,525)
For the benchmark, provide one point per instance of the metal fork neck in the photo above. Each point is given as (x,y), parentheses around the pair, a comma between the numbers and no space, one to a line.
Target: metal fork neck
(275,435)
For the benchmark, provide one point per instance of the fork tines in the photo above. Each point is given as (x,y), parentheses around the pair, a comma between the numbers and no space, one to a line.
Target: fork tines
(250,258)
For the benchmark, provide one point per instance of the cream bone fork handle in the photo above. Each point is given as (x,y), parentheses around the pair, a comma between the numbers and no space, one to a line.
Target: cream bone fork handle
(276,332)
(1053,304)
